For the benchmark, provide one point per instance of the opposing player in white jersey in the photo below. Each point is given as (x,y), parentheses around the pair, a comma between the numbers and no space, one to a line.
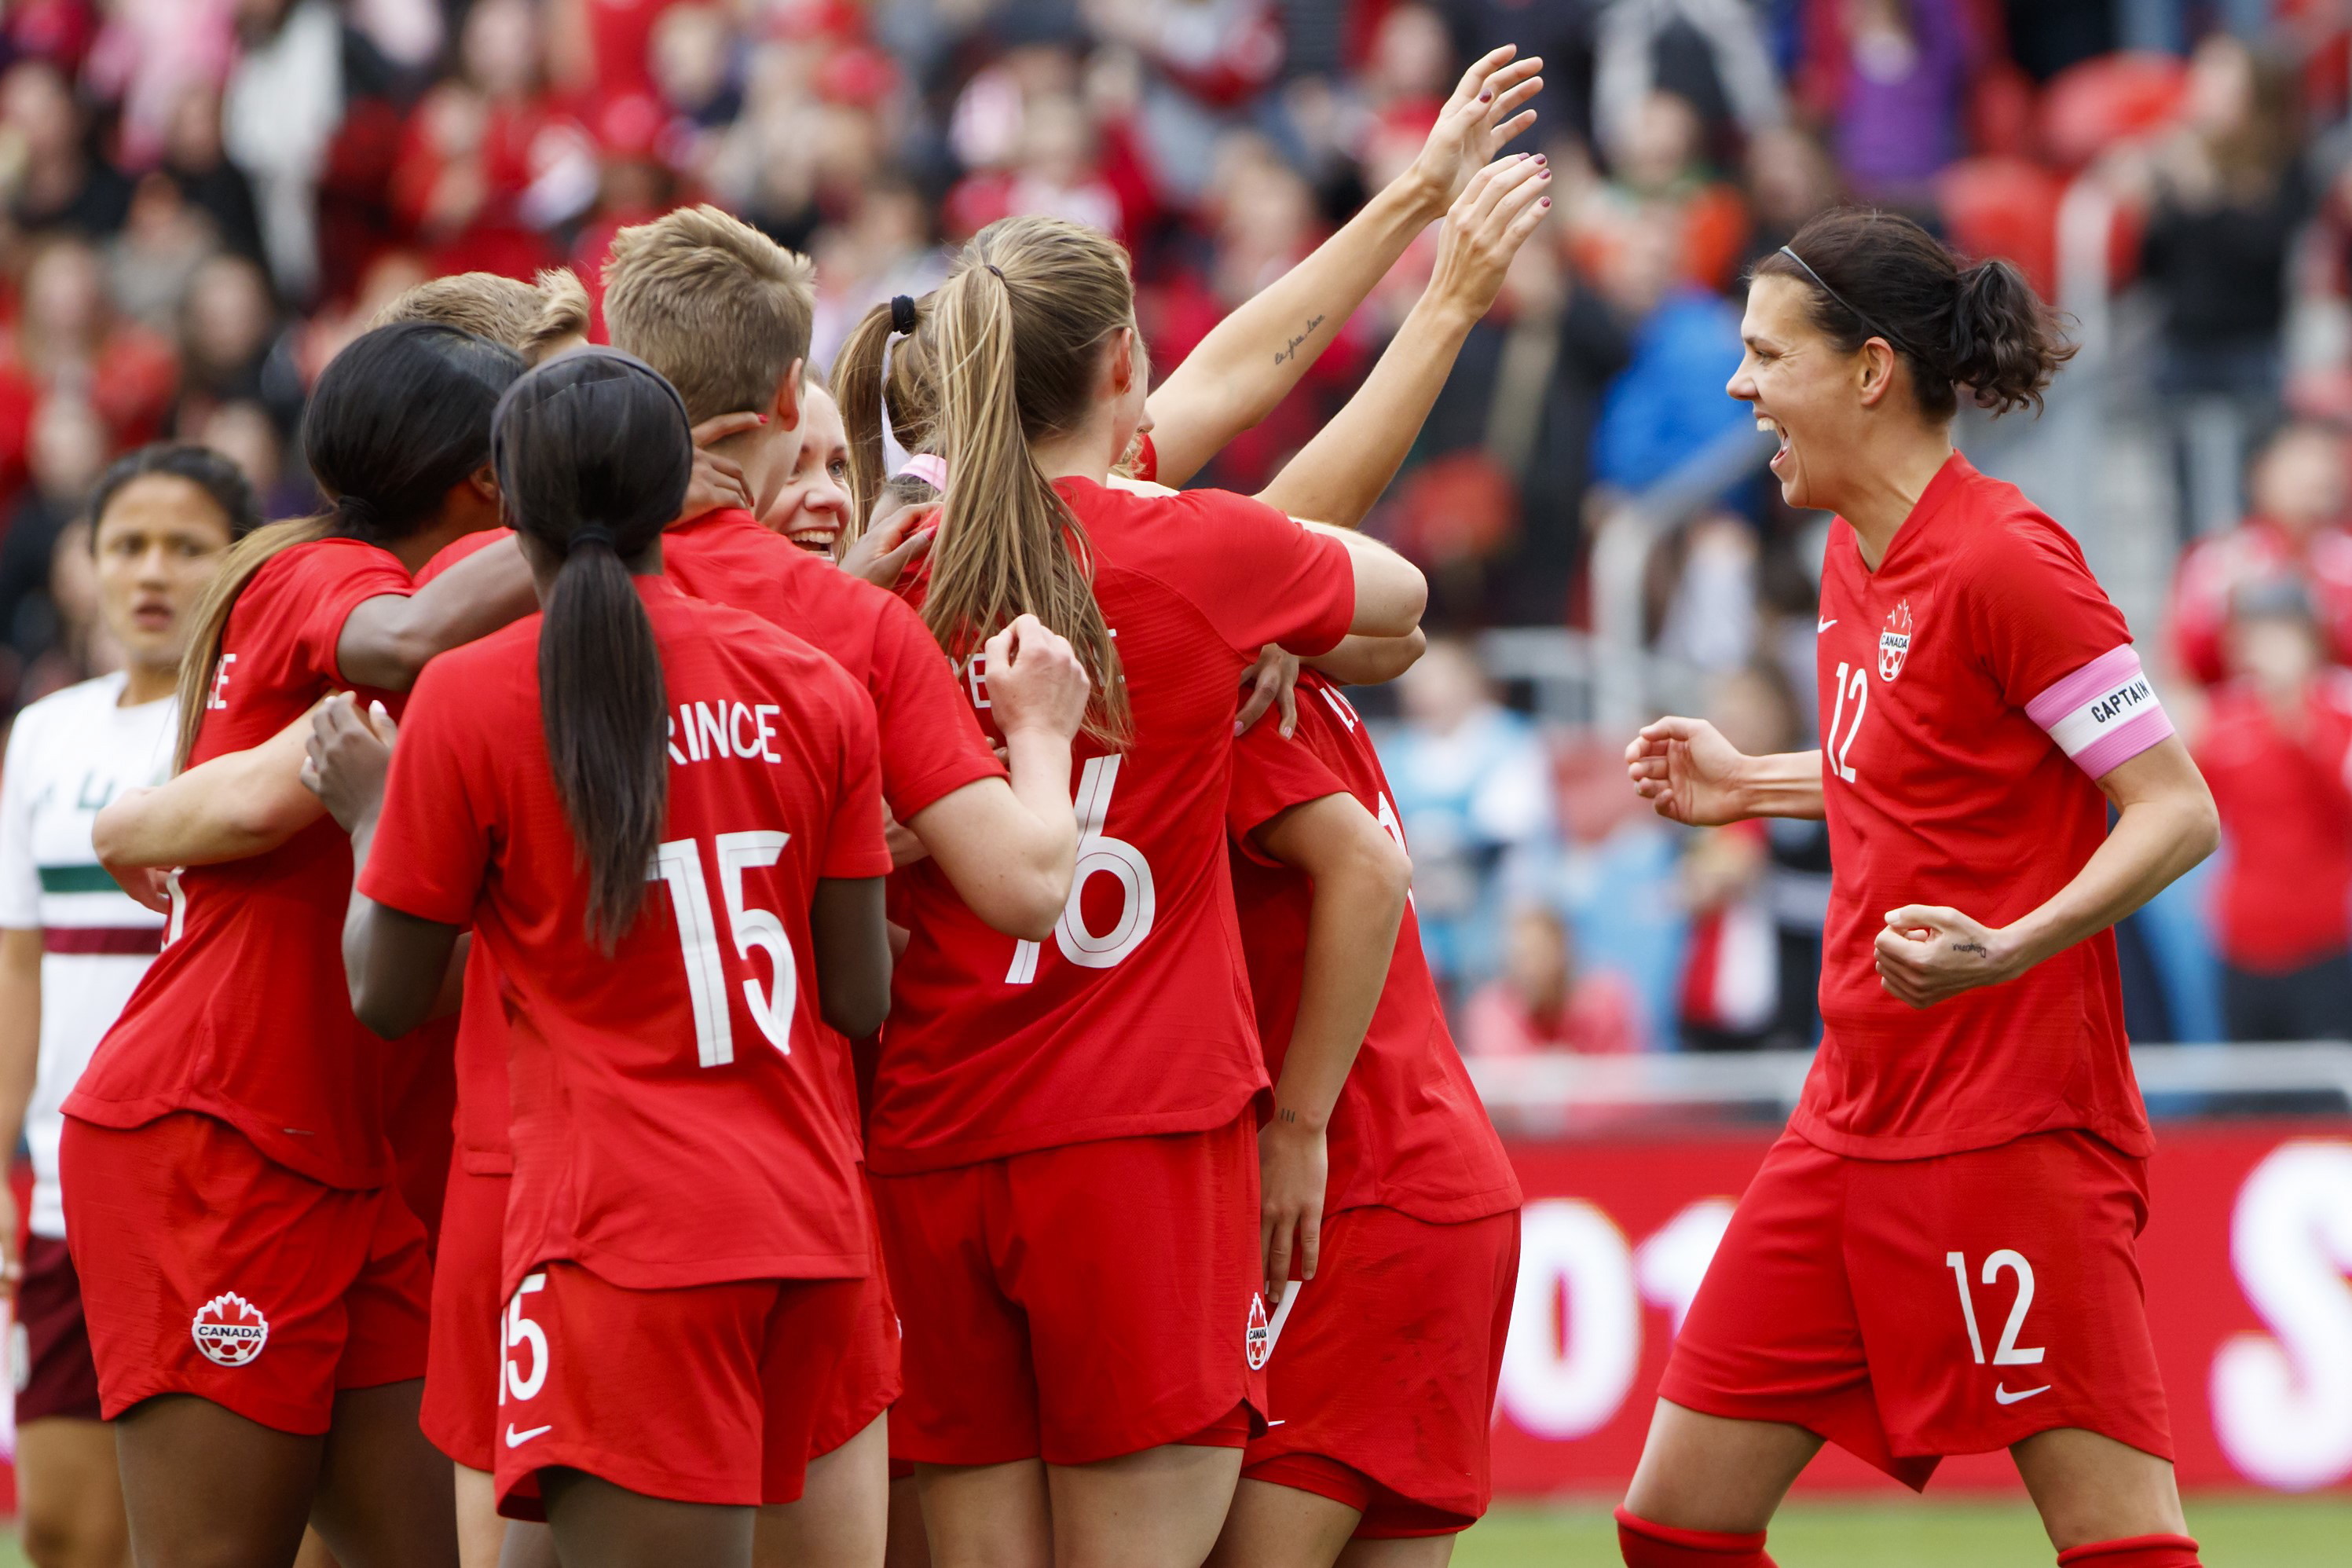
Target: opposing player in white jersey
(73,945)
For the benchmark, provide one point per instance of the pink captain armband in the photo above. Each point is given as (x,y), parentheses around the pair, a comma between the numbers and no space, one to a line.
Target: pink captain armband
(2104,714)
(930,467)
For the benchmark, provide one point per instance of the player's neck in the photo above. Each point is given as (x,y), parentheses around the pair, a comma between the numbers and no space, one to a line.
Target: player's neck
(1888,485)
(1088,452)
(766,456)
(145,683)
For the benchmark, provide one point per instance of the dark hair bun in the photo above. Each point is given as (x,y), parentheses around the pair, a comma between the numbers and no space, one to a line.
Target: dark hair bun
(2005,342)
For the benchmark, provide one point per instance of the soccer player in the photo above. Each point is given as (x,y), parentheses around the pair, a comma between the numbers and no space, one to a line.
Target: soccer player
(1937,1257)
(253,1282)
(1391,1213)
(72,946)
(676,1316)
(812,508)
(1061,1134)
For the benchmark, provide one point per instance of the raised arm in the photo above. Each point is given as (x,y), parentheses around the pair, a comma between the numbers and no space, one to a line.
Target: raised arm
(1360,879)
(386,640)
(1341,473)
(1253,358)
(1690,775)
(2165,824)
(238,805)
(1011,850)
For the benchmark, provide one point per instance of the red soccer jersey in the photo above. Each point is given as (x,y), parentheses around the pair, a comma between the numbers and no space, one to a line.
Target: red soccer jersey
(931,746)
(1134,1016)
(245,1016)
(1971,691)
(1408,1131)
(674,1116)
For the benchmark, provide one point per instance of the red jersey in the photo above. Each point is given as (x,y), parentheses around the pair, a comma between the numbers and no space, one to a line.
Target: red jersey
(675,1119)
(2286,798)
(931,744)
(1134,1016)
(1971,691)
(1408,1131)
(246,1016)
(2212,569)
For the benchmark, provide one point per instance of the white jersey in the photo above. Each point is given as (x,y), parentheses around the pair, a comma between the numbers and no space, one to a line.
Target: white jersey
(68,756)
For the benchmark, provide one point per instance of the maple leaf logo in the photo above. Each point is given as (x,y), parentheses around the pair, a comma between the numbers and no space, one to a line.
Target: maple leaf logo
(1260,1340)
(229,1330)
(1895,642)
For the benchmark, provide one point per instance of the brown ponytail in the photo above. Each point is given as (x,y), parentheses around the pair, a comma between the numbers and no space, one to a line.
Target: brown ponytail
(1015,334)
(1876,275)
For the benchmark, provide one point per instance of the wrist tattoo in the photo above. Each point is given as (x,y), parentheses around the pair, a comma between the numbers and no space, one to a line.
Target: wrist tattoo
(1968,947)
(1291,352)
(1281,1115)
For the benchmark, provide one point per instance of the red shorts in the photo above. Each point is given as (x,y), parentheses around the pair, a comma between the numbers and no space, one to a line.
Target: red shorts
(866,1380)
(1079,1303)
(56,1379)
(1909,1309)
(208,1269)
(708,1394)
(460,1412)
(1380,1380)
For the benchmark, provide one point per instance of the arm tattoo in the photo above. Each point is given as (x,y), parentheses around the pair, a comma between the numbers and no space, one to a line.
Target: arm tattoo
(1291,352)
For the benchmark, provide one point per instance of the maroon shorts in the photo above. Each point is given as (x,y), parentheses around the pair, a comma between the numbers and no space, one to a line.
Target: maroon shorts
(208,1269)
(1079,1303)
(1380,1381)
(460,1411)
(1909,1309)
(56,1379)
(708,1394)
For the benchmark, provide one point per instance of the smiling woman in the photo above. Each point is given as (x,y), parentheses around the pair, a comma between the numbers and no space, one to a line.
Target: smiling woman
(1970,1124)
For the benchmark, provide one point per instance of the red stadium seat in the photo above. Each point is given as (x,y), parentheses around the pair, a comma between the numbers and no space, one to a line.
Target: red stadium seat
(2005,207)
(2090,107)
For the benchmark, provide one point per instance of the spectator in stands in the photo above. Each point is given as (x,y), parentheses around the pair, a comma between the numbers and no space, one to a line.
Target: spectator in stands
(2301,491)
(193,158)
(1540,1002)
(161,245)
(1707,52)
(1790,180)
(1737,965)
(1668,405)
(69,446)
(59,181)
(1902,70)
(1473,788)
(68,338)
(2277,751)
(2225,198)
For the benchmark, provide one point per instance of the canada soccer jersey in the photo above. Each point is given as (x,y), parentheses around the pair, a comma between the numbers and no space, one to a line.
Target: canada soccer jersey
(1134,1016)
(675,1117)
(245,1016)
(1408,1131)
(1971,689)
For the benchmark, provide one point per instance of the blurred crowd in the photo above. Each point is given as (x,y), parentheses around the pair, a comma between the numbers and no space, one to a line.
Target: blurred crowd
(202,200)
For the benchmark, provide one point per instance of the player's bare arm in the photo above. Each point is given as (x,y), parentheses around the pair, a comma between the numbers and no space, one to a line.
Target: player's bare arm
(2165,824)
(233,806)
(387,640)
(851,943)
(20,1055)
(1689,773)
(1361,877)
(1253,358)
(1010,849)
(1339,474)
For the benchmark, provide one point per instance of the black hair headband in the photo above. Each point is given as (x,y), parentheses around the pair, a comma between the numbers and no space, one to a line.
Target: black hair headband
(1875,329)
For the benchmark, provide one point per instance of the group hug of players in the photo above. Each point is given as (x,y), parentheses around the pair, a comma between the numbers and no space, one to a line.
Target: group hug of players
(941,1072)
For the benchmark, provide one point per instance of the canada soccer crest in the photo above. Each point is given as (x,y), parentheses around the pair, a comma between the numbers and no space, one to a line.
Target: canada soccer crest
(1895,642)
(1259,1341)
(230,1330)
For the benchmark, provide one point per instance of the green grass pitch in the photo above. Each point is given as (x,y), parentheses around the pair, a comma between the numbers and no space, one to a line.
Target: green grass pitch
(2266,1533)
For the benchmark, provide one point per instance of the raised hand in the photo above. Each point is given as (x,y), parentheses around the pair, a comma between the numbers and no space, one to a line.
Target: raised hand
(718,481)
(1477,121)
(891,542)
(1496,211)
(1273,679)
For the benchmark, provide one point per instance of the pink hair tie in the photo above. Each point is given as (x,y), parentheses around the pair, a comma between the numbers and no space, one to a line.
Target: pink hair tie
(930,467)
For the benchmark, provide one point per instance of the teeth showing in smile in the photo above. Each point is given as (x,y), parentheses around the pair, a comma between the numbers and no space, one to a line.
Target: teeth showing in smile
(1773,428)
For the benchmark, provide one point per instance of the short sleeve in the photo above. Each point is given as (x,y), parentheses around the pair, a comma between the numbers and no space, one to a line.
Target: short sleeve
(325,585)
(1271,773)
(2058,648)
(20,878)
(1262,577)
(854,845)
(930,740)
(432,843)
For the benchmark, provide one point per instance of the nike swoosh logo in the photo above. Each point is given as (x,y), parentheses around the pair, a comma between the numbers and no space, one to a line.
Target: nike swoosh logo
(517,1440)
(1825,625)
(2004,1396)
